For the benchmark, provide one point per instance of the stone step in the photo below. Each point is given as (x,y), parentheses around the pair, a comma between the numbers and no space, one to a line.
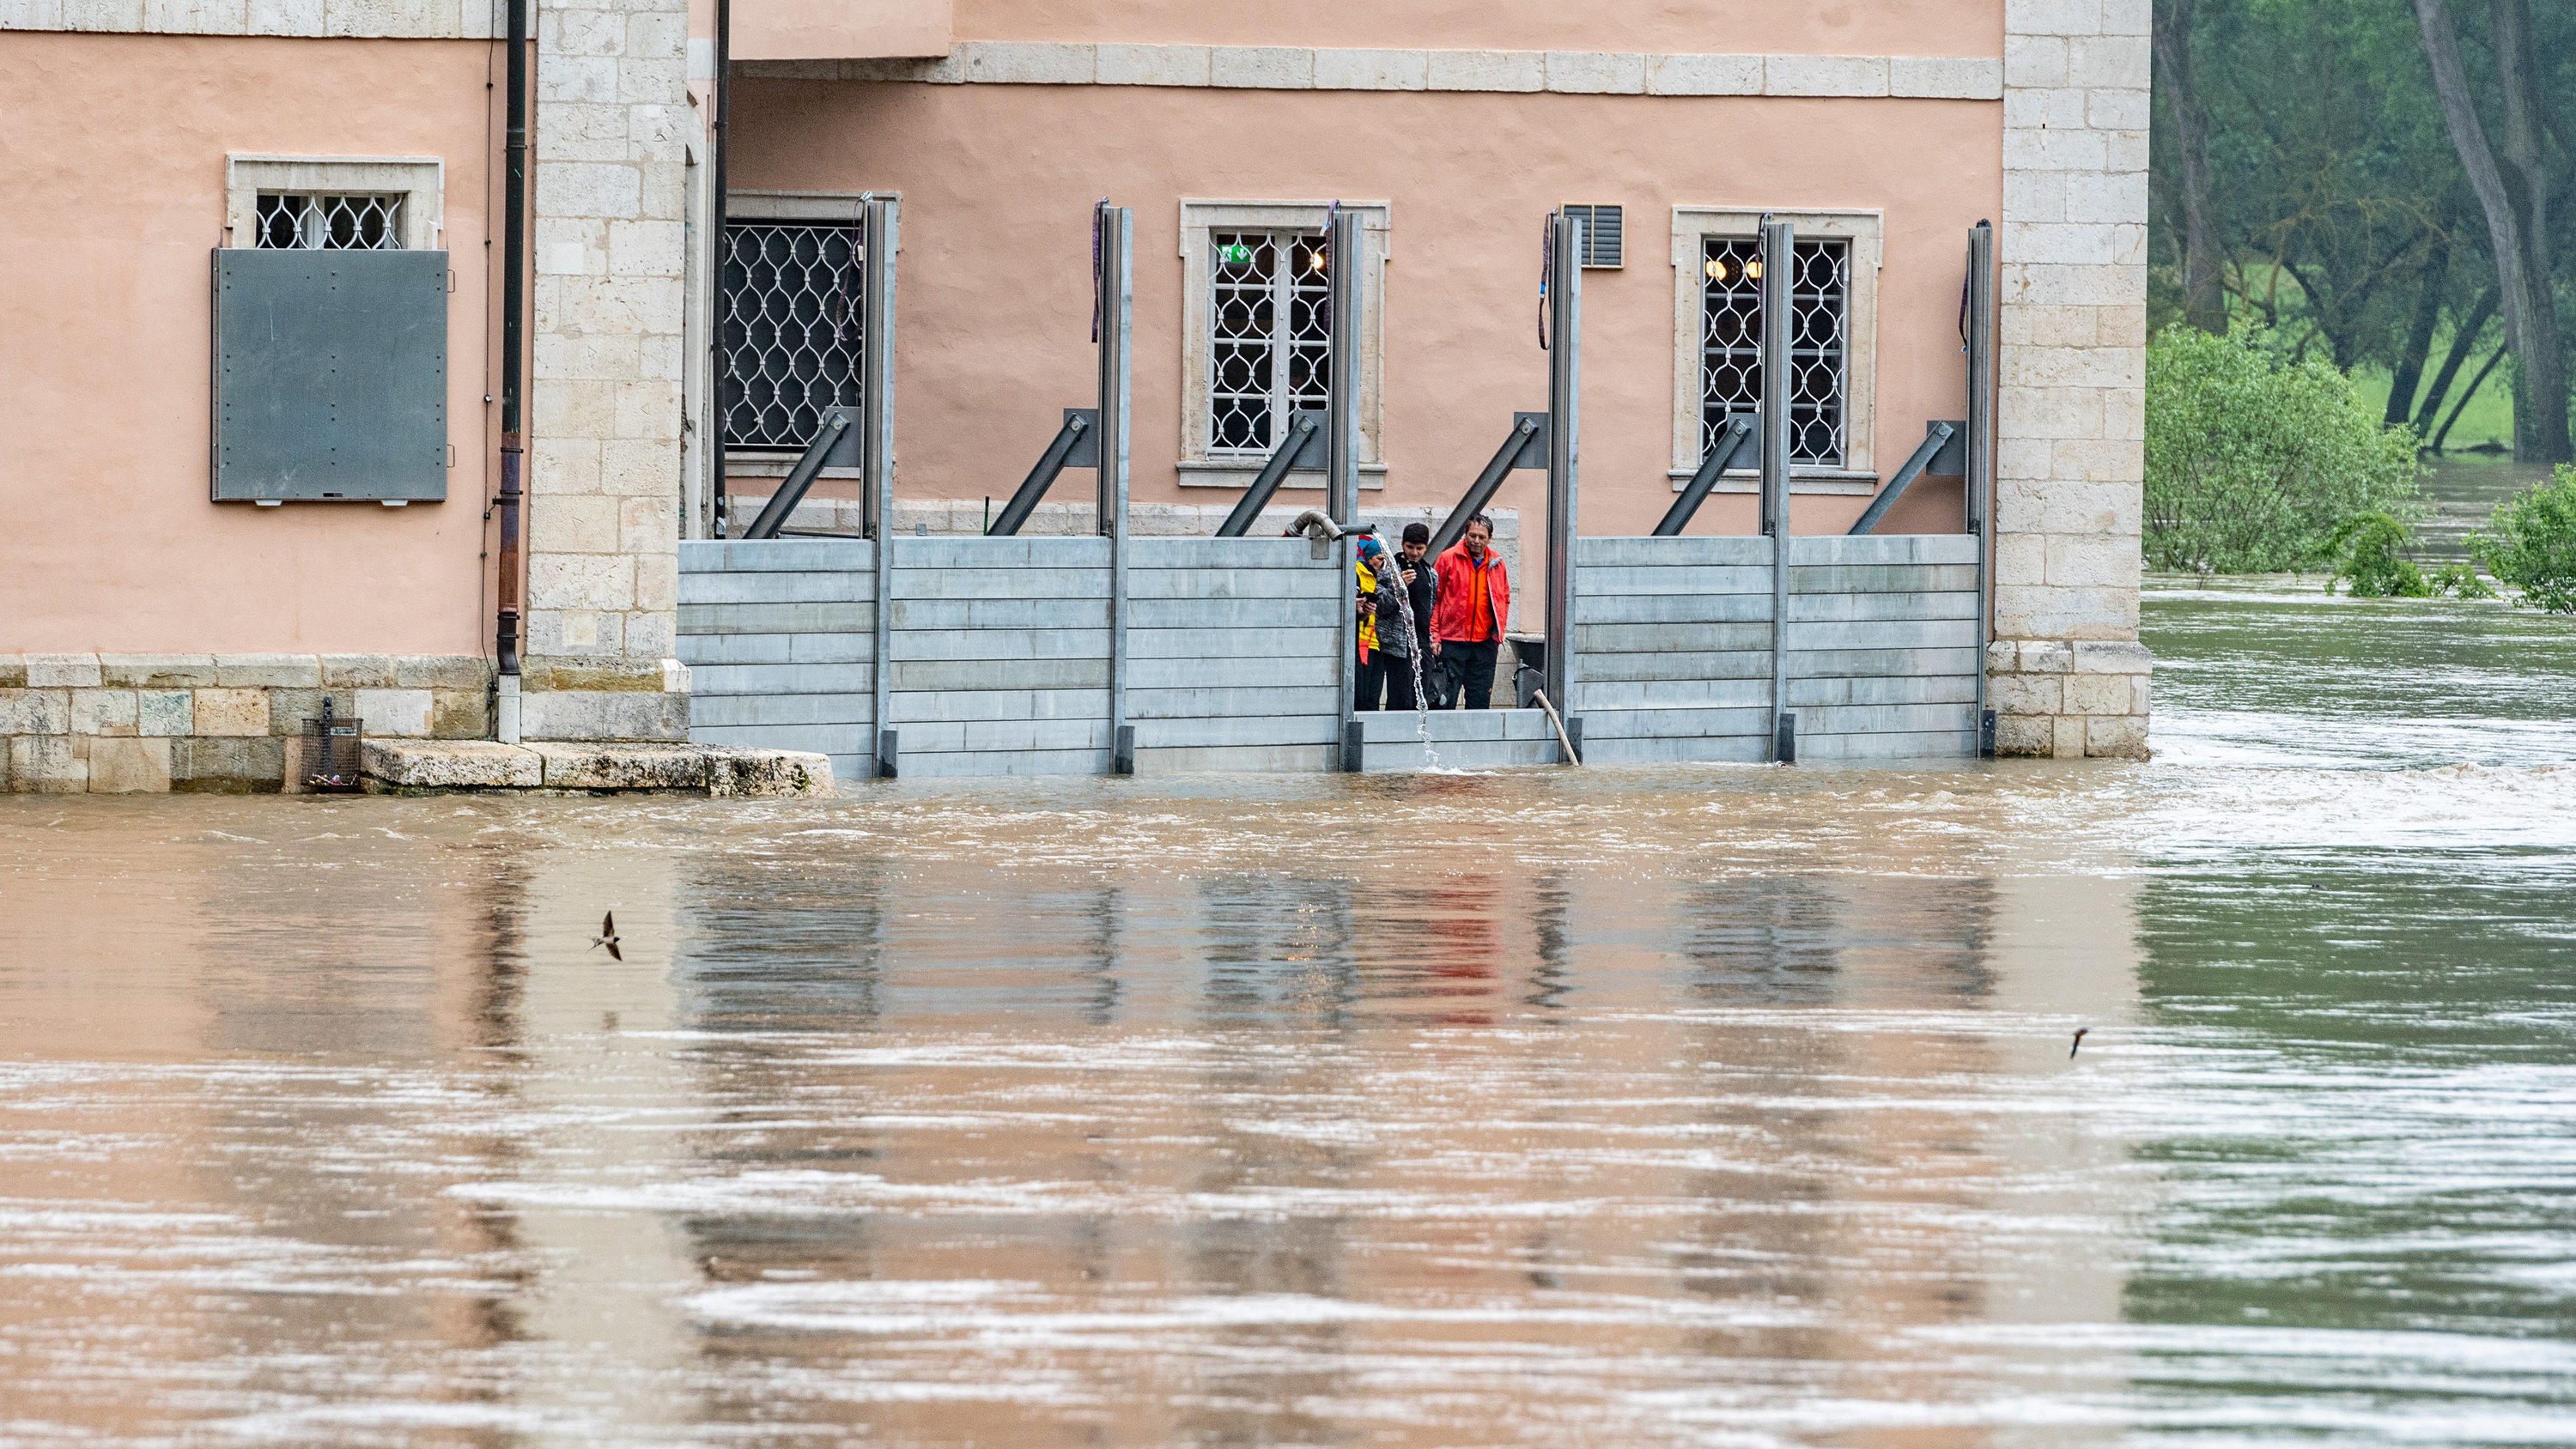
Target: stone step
(427,767)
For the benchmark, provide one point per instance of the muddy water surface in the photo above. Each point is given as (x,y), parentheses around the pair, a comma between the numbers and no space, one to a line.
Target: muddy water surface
(1722,1107)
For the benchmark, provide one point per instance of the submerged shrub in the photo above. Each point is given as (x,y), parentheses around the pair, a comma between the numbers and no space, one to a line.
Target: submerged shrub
(2369,551)
(2462,580)
(2254,461)
(2533,545)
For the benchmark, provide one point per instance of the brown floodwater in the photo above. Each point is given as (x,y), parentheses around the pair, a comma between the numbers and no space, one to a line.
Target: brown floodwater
(1725,1107)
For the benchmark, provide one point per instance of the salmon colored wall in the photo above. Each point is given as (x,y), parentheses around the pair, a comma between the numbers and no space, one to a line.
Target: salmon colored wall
(1737,27)
(993,321)
(841,29)
(115,148)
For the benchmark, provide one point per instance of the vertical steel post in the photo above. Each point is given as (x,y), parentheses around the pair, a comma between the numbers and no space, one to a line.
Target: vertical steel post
(1342,443)
(1117,227)
(1564,451)
(718,249)
(883,238)
(1981,448)
(1779,262)
(514,266)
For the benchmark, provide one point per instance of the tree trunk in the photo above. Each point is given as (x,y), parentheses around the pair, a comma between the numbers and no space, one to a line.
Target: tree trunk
(2419,337)
(2540,413)
(2464,340)
(2203,305)
(2522,269)
(2462,405)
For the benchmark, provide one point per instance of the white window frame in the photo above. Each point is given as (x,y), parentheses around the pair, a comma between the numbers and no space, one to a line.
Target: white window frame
(842,206)
(421,181)
(1865,234)
(1200,220)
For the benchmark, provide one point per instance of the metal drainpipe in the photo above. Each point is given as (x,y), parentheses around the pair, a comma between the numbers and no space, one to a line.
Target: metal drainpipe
(514,265)
(715,419)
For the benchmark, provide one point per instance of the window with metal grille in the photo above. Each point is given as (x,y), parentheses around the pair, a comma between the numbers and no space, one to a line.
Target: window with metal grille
(1270,336)
(329,221)
(1731,343)
(792,321)
(1605,234)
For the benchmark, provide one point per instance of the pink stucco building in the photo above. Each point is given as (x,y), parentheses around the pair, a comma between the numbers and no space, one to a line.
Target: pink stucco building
(162,628)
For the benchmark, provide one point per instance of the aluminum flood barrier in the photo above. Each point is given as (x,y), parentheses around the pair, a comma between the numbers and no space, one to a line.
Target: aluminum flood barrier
(1673,647)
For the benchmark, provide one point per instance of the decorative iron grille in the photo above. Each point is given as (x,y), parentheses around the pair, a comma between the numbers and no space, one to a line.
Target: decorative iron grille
(1731,343)
(329,221)
(793,325)
(1271,337)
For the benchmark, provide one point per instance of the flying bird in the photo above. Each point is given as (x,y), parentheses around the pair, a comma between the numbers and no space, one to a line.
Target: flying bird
(608,937)
(2070,1051)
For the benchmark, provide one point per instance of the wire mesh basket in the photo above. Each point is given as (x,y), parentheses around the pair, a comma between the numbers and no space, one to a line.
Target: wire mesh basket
(331,752)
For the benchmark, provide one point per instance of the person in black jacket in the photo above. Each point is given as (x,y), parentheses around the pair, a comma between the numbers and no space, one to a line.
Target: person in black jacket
(1401,645)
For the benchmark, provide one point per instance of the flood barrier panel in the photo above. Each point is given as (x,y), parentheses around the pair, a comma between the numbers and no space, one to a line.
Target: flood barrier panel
(1234,654)
(1672,649)
(1883,649)
(1465,739)
(1000,654)
(780,640)
(1673,640)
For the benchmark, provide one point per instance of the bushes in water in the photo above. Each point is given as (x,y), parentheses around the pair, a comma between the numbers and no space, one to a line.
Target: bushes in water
(2255,461)
(2369,551)
(2533,545)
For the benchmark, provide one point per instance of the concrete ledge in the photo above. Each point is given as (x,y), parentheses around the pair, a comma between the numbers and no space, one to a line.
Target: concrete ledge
(586,767)
(450,765)
(1562,72)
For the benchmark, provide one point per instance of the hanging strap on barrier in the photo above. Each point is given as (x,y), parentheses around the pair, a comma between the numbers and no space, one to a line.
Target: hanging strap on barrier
(1730,444)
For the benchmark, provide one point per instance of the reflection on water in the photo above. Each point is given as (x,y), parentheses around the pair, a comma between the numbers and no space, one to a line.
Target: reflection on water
(1726,1107)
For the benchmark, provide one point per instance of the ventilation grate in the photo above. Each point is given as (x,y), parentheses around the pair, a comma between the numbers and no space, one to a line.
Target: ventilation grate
(1605,234)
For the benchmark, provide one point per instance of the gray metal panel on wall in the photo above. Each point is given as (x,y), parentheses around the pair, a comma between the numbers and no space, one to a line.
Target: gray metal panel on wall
(330,375)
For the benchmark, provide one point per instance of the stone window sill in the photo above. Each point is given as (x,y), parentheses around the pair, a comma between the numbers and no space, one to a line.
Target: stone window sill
(1745,480)
(1200,473)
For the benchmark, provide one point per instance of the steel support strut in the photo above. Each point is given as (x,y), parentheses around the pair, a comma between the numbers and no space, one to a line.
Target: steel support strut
(1730,445)
(1303,432)
(1779,260)
(1525,447)
(836,443)
(1936,436)
(1057,457)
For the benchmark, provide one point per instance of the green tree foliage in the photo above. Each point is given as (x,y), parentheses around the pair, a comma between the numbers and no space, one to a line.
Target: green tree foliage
(2370,553)
(2533,545)
(2328,186)
(2255,460)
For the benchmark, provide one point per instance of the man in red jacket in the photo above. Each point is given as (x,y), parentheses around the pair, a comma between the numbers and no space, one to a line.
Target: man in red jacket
(1475,604)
